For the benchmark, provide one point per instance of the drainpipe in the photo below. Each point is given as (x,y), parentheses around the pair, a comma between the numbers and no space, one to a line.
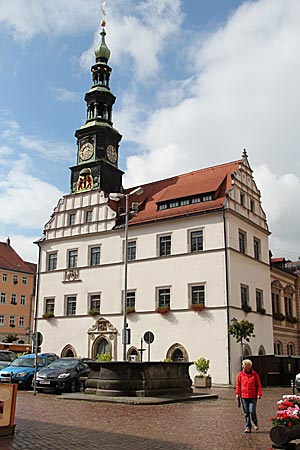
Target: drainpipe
(227,295)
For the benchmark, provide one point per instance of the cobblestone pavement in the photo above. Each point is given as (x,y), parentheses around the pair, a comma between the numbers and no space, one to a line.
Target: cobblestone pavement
(48,422)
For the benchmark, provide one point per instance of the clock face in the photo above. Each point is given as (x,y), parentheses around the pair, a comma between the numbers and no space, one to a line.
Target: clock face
(112,154)
(86,151)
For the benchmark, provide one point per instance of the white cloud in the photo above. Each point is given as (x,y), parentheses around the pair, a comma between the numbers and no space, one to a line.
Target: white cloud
(14,137)
(25,19)
(25,201)
(65,95)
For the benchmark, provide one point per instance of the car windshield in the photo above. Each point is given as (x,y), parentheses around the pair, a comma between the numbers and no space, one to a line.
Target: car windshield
(63,364)
(27,362)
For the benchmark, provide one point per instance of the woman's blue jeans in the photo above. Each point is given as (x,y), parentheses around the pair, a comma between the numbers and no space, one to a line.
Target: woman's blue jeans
(249,407)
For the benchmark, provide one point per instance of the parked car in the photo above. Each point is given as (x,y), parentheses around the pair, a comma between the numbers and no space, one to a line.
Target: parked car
(6,357)
(21,370)
(62,375)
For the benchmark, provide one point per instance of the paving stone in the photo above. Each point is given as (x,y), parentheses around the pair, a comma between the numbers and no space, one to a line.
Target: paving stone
(46,422)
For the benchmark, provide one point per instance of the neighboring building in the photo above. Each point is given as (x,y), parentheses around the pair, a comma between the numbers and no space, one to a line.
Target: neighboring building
(17,285)
(285,306)
(197,250)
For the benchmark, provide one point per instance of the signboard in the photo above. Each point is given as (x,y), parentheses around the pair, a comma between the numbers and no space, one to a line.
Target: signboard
(8,396)
(148,337)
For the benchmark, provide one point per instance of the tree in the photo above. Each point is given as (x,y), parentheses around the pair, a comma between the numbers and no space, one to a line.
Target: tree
(241,331)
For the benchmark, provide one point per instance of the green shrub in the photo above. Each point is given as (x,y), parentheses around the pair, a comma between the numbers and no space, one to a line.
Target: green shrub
(103,357)
(202,366)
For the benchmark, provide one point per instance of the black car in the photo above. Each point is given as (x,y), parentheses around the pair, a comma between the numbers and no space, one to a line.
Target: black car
(62,375)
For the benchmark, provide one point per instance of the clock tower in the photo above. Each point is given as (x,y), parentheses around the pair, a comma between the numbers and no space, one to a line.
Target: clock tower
(97,140)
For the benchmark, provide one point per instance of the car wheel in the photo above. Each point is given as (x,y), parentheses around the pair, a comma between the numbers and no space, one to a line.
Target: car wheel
(73,385)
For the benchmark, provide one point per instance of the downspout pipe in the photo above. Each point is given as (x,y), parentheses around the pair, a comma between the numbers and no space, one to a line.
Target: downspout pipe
(227,294)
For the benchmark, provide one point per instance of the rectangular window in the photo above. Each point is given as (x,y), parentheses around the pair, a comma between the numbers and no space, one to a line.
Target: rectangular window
(162,206)
(95,302)
(72,219)
(49,305)
(2,320)
(22,321)
(207,198)
(288,306)
(259,300)
(4,277)
(52,261)
(276,302)
(174,204)
(3,297)
(24,280)
(12,321)
(72,259)
(196,241)
(15,279)
(131,250)
(88,216)
(196,200)
(185,202)
(198,295)
(244,296)
(13,299)
(164,245)
(71,306)
(256,248)
(23,299)
(164,297)
(242,198)
(95,256)
(130,300)
(252,206)
(242,241)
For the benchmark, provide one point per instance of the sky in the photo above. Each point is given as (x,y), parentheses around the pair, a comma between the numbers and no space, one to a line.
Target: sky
(196,82)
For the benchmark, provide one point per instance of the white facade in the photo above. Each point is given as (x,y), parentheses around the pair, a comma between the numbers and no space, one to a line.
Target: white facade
(85,221)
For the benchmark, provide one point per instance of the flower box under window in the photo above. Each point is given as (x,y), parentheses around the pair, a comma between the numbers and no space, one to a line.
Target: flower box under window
(197,307)
(162,309)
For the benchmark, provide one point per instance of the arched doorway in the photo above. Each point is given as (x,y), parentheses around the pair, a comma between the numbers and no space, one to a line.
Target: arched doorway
(177,353)
(261,350)
(102,339)
(68,351)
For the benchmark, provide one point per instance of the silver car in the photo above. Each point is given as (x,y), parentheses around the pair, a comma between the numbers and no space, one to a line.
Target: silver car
(6,357)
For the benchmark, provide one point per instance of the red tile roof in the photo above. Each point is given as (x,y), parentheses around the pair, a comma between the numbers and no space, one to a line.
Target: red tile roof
(10,260)
(215,180)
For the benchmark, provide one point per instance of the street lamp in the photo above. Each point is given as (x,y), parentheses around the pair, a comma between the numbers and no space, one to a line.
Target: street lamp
(117,196)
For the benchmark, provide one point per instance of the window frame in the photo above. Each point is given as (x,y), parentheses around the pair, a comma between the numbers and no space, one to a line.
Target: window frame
(193,239)
(131,299)
(259,299)
(72,219)
(201,301)
(49,305)
(22,321)
(244,289)
(13,298)
(131,250)
(242,241)
(96,255)
(164,248)
(22,299)
(4,277)
(89,216)
(160,301)
(257,248)
(2,320)
(12,320)
(73,258)
(91,306)
(3,298)
(70,309)
(52,261)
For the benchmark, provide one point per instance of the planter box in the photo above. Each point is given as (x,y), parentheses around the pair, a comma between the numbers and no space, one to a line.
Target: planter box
(202,382)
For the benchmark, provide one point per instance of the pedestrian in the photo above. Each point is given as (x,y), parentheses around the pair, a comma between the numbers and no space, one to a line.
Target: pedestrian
(248,389)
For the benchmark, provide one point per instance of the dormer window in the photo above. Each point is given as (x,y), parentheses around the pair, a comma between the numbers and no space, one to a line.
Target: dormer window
(185,201)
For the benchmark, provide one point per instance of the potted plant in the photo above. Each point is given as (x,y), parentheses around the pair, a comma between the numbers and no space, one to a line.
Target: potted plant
(48,315)
(93,312)
(162,309)
(203,379)
(197,307)
(246,308)
(261,310)
(278,316)
(130,309)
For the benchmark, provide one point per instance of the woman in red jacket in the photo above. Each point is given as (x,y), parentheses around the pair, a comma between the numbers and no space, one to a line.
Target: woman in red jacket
(248,389)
